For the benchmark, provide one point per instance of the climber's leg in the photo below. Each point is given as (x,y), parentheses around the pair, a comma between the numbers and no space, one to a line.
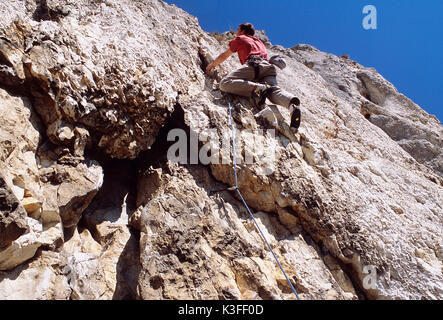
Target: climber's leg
(240,82)
(268,75)
(277,95)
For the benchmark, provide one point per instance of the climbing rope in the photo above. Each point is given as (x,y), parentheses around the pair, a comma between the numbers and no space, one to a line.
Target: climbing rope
(246,205)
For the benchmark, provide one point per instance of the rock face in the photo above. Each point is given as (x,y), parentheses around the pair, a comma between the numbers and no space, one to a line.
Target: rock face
(197,242)
(93,205)
(43,185)
(12,218)
(405,122)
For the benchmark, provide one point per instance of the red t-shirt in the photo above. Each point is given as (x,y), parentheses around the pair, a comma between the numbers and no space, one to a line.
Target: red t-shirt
(246,46)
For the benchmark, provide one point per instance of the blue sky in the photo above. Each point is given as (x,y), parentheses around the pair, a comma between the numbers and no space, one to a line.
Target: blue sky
(406,48)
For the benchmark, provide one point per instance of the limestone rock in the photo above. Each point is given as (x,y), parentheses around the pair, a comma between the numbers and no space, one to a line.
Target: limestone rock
(198,242)
(31,205)
(12,216)
(326,183)
(273,117)
(88,70)
(43,279)
(77,191)
(107,217)
(350,203)
(417,132)
(25,247)
(47,187)
(19,139)
(86,276)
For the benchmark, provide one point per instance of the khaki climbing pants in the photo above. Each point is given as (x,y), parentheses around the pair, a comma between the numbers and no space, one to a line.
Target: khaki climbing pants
(242,82)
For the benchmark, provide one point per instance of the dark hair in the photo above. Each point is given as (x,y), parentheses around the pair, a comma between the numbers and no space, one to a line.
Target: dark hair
(248,28)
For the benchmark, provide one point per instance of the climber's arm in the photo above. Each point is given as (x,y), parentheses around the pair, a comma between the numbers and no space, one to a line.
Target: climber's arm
(220,59)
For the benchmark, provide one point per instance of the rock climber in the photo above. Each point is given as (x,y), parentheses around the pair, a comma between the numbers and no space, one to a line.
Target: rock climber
(257,78)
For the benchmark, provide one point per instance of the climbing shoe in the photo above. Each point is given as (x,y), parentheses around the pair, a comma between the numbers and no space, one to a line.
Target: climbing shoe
(259,96)
(295,101)
(295,117)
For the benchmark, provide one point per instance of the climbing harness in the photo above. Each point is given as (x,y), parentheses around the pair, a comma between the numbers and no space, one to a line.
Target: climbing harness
(254,61)
(247,207)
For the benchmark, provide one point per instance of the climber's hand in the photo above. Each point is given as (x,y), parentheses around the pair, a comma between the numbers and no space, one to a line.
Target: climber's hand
(209,67)
(220,59)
